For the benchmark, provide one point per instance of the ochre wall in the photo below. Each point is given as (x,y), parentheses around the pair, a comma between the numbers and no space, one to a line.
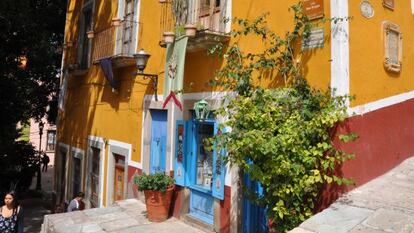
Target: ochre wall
(369,81)
(93,109)
(200,68)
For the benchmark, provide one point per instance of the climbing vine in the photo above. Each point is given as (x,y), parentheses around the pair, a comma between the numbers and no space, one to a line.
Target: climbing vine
(280,137)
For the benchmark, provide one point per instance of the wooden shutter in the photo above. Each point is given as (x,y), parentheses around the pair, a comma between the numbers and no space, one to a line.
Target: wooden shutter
(219,170)
(180,151)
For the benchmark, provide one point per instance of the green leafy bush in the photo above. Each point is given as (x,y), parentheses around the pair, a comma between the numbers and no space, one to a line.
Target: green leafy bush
(281,137)
(156,182)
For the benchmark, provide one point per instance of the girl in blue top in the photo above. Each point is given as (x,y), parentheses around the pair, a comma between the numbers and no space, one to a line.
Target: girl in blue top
(11,215)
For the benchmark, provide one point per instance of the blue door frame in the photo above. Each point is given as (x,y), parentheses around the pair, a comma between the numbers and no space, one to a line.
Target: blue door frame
(158,141)
(201,198)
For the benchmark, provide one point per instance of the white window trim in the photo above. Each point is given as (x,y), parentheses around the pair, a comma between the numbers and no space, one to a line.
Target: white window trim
(412,7)
(229,15)
(91,141)
(110,171)
(121,10)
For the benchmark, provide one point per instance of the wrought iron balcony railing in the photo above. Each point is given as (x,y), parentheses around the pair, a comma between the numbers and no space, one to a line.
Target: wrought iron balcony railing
(207,16)
(117,42)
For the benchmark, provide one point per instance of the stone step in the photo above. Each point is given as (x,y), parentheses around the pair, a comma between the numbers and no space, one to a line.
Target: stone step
(190,220)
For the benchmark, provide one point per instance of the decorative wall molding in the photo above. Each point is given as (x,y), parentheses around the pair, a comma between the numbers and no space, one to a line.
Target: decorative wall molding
(382,103)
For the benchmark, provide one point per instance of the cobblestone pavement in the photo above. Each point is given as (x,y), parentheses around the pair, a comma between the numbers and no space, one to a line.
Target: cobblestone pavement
(127,216)
(36,206)
(34,210)
(385,204)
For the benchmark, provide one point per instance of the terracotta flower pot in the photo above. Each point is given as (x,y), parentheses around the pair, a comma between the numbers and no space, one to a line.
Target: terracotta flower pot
(158,204)
(169,37)
(90,34)
(116,22)
(190,30)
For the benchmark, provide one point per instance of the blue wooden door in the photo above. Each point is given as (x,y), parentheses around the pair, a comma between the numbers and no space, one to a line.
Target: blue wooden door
(254,217)
(201,169)
(158,140)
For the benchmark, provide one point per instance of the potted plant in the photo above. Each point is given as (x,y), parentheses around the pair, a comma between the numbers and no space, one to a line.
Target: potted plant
(158,190)
(190,30)
(90,34)
(169,37)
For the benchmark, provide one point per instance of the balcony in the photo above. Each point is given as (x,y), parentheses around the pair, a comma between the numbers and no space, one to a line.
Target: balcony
(117,42)
(207,16)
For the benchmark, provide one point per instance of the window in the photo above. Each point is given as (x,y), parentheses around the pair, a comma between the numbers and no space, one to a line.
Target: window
(208,5)
(392,47)
(128,27)
(51,140)
(94,176)
(127,31)
(84,47)
(76,176)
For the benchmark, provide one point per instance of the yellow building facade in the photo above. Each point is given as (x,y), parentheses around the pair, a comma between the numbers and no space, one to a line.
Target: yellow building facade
(111,127)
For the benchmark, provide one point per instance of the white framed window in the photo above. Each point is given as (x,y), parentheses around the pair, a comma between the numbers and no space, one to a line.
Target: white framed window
(392,47)
(51,140)
(84,43)
(94,172)
(61,172)
(76,172)
(127,31)
(119,155)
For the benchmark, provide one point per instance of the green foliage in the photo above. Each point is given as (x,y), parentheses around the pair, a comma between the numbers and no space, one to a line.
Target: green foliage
(280,137)
(34,29)
(157,182)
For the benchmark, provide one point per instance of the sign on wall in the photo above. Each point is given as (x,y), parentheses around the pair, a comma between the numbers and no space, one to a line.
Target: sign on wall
(313,8)
(315,39)
(389,4)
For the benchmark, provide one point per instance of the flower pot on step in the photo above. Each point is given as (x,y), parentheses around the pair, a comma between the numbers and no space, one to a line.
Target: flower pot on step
(158,204)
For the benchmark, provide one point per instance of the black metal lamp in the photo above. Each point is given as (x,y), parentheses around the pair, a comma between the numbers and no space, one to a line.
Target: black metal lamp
(39,173)
(141,60)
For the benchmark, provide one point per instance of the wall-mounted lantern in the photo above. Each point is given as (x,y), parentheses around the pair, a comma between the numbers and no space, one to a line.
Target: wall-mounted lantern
(202,110)
(141,59)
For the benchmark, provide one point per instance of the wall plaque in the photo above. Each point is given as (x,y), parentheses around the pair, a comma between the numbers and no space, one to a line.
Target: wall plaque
(315,40)
(392,47)
(313,8)
(388,3)
(367,10)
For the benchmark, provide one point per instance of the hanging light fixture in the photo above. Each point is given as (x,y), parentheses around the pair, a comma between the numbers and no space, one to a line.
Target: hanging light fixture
(202,110)
(141,60)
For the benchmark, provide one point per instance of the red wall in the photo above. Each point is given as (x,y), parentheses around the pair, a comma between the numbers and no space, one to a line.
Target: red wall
(225,211)
(386,138)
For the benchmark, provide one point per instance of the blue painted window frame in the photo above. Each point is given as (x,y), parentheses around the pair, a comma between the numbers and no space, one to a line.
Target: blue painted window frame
(189,160)
(194,144)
